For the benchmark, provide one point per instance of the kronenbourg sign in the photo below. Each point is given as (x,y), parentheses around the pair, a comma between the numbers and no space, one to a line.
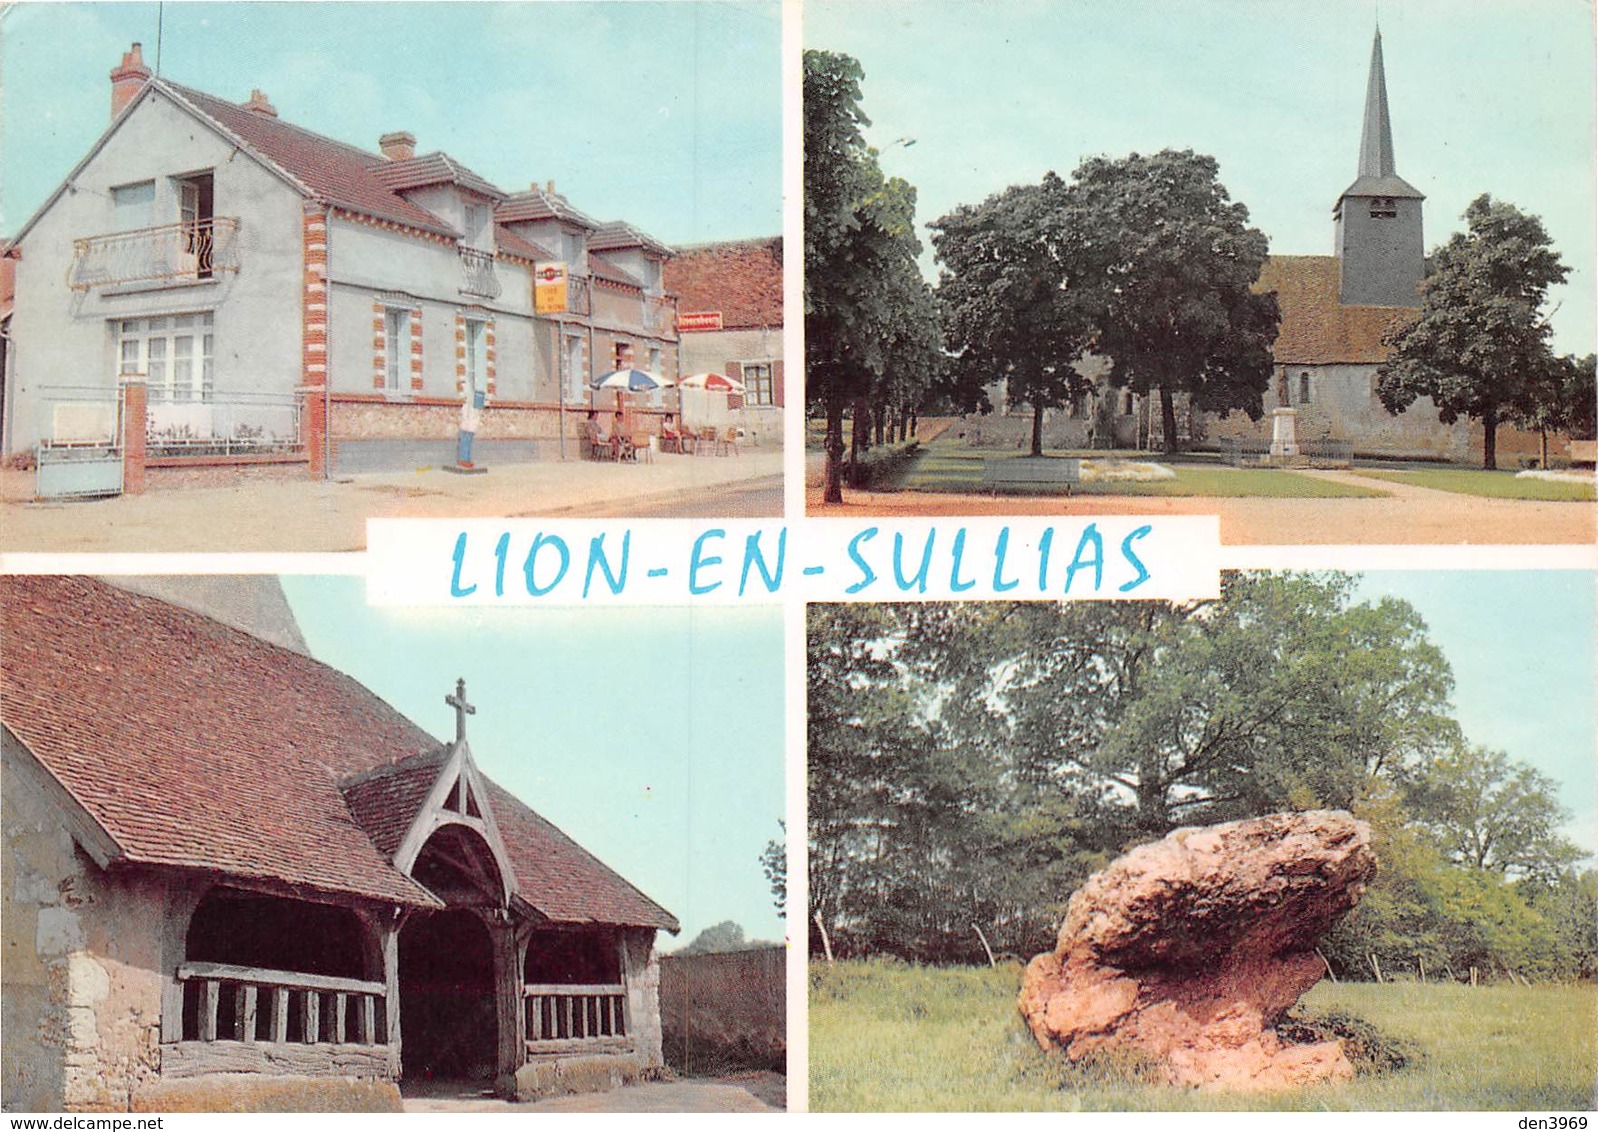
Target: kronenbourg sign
(549,288)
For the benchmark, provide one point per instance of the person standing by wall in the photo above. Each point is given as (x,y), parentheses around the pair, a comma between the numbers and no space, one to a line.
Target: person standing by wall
(471,421)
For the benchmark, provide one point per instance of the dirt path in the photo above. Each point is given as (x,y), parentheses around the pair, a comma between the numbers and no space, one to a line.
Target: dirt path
(304,515)
(720,1095)
(1409,515)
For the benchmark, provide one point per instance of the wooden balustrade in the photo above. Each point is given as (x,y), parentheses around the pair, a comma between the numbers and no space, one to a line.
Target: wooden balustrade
(575,1016)
(222,1002)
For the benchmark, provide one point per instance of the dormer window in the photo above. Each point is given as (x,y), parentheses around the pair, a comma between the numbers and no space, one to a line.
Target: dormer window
(651,275)
(477,219)
(1383,208)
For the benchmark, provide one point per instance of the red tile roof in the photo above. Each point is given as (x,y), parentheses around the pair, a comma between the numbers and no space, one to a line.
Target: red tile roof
(604,269)
(620,234)
(1316,328)
(433,169)
(562,879)
(742,279)
(513,243)
(385,801)
(542,204)
(334,171)
(193,744)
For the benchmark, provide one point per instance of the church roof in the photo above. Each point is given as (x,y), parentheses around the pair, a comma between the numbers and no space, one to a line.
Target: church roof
(1378,174)
(1316,328)
(195,745)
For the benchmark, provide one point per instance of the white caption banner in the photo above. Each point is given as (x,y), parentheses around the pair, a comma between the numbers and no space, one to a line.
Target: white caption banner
(676,561)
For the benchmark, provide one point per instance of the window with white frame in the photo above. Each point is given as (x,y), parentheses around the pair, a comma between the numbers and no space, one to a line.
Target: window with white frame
(571,250)
(133,206)
(476,356)
(477,226)
(576,379)
(173,352)
(759,387)
(396,347)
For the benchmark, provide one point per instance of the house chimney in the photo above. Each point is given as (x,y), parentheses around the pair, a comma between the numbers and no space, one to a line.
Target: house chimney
(128,79)
(549,187)
(260,104)
(398,146)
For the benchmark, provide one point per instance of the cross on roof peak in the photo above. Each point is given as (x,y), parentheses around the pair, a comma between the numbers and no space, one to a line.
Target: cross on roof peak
(462,709)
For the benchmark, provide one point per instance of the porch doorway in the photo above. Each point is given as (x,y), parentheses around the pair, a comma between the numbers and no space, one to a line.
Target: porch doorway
(448,1027)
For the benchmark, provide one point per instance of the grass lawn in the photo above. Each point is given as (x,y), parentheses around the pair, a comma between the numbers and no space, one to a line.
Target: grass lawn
(1492,485)
(959,469)
(889,1037)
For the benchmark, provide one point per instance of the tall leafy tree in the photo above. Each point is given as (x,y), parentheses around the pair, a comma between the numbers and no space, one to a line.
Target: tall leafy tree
(971,763)
(1481,340)
(863,293)
(1563,397)
(1013,298)
(1176,260)
(1490,812)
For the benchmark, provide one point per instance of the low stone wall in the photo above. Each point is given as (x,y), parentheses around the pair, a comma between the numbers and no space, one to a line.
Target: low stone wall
(221,474)
(725,1011)
(250,1092)
(596,1073)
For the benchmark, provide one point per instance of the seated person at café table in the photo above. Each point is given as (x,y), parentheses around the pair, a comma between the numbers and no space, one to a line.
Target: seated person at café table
(671,440)
(621,446)
(594,434)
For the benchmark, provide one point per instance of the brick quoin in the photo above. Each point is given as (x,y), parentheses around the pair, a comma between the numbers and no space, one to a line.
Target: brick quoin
(313,321)
(416,350)
(135,406)
(489,367)
(379,348)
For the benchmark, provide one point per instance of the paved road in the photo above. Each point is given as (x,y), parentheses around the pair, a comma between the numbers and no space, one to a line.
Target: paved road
(753,499)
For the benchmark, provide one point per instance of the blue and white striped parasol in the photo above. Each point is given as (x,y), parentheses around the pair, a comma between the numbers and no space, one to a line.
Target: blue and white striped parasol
(631,380)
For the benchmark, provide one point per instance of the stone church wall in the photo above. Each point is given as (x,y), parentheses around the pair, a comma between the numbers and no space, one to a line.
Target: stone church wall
(643,995)
(82,984)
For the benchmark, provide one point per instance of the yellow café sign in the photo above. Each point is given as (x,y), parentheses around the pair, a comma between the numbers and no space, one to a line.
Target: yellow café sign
(549,288)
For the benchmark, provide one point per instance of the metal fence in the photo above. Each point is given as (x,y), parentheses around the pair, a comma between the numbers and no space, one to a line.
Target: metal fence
(225,424)
(80,446)
(1311,453)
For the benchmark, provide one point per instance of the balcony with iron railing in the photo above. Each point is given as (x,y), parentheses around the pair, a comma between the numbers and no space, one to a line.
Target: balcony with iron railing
(191,251)
(477,274)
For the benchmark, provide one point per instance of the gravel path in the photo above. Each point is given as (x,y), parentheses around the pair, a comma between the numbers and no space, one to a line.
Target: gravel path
(1409,515)
(306,515)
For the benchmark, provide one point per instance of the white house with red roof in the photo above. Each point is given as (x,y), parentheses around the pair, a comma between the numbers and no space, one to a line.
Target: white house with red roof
(283,297)
(232,877)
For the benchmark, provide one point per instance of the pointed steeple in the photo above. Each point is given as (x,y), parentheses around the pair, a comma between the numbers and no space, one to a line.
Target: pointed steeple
(1378,218)
(1378,173)
(1376,138)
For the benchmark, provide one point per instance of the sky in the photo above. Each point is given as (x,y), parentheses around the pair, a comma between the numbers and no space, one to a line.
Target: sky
(667,115)
(1496,97)
(1522,649)
(652,736)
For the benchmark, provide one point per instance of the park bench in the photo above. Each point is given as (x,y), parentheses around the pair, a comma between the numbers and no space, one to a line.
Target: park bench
(1022,472)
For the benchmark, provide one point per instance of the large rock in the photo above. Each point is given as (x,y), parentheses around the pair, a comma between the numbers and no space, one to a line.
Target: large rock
(1186,951)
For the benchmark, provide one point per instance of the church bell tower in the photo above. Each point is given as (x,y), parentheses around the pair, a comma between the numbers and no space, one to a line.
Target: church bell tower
(1379,246)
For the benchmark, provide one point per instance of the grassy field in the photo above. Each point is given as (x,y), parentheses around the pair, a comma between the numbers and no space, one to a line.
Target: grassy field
(889,1037)
(1492,485)
(950,468)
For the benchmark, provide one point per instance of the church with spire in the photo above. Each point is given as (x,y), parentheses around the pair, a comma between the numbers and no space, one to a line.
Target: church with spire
(1337,309)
